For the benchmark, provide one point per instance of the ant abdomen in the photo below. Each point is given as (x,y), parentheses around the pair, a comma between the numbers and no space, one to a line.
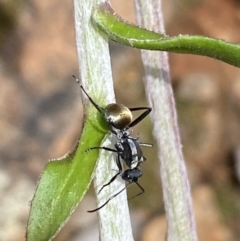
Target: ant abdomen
(118,115)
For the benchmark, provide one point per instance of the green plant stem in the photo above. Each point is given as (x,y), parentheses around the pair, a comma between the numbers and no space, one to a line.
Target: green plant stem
(128,34)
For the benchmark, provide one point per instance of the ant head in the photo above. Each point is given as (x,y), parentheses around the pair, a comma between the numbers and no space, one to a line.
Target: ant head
(131,175)
(118,115)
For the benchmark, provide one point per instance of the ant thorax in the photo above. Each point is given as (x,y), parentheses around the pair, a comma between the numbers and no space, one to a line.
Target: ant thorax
(129,150)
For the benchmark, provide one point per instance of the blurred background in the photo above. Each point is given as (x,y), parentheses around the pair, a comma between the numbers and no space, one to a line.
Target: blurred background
(41,115)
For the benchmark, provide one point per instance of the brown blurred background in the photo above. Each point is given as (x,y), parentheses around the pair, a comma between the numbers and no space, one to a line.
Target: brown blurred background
(41,113)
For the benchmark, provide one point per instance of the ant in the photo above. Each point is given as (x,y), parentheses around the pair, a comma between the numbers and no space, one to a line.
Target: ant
(119,118)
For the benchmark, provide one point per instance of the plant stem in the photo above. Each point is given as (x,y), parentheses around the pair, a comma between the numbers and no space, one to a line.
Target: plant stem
(176,190)
(96,77)
(128,34)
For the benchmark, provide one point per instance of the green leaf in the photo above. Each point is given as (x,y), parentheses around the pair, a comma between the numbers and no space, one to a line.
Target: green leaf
(64,183)
(127,34)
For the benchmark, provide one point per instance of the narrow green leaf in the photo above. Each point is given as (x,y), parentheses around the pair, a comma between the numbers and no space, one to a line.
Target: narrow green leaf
(64,183)
(124,33)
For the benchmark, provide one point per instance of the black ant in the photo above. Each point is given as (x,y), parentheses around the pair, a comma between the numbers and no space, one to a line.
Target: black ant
(119,117)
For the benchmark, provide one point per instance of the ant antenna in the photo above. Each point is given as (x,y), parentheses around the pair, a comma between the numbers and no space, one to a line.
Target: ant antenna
(77,80)
(141,192)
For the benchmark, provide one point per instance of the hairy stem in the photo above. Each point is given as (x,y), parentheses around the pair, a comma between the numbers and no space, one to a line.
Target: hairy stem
(176,190)
(96,77)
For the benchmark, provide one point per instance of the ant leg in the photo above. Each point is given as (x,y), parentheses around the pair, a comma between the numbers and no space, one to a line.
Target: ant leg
(116,194)
(112,130)
(145,144)
(100,109)
(101,147)
(119,165)
(112,179)
(115,176)
(141,192)
(141,117)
